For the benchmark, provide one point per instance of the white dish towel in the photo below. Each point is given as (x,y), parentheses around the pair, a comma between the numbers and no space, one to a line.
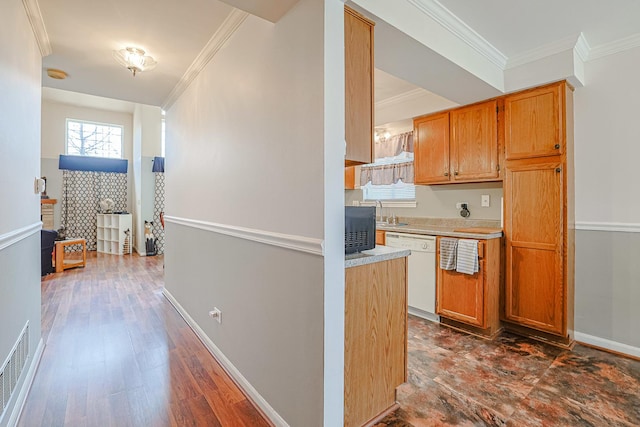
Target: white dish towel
(448,248)
(467,256)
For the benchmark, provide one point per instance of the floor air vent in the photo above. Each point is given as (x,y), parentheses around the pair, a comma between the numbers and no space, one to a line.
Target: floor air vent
(12,368)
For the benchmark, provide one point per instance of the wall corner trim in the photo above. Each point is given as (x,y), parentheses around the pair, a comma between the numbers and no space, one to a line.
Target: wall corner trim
(288,241)
(226,364)
(15,236)
(222,34)
(37,25)
(607,344)
(21,398)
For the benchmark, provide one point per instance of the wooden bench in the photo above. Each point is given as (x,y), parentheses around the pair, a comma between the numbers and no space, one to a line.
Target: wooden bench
(63,264)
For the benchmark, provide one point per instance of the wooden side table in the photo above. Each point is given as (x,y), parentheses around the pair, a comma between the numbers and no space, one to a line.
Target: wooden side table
(61,263)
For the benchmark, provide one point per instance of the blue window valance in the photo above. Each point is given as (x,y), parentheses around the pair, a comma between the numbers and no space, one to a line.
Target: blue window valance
(158,164)
(92,164)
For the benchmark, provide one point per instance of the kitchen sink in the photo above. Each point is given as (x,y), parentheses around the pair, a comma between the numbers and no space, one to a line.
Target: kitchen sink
(385,224)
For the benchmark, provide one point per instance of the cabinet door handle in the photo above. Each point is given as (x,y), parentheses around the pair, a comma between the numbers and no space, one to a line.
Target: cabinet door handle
(558,170)
(557,146)
(446,174)
(455,173)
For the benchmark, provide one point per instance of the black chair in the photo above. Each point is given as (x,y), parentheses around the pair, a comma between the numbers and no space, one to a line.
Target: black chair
(47,240)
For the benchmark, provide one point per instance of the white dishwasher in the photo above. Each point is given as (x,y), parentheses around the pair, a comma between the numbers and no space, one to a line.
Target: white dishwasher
(421,272)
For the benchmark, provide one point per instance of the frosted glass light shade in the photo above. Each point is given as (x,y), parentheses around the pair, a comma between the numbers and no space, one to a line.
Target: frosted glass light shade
(134,59)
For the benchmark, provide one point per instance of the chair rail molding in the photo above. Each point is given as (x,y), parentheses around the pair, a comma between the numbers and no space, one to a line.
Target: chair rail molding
(15,236)
(288,241)
(624,227)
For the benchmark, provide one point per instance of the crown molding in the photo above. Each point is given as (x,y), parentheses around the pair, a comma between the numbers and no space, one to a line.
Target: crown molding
(222,34)
(582,48)
(540,52)
(458,28)
(615,46)
(401,98)
(37,25)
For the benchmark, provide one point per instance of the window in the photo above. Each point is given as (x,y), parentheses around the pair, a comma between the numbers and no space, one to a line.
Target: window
(94,139)
(393,165)
(397,191)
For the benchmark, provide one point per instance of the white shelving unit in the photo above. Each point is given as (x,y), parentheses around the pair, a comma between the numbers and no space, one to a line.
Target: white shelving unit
(111,238)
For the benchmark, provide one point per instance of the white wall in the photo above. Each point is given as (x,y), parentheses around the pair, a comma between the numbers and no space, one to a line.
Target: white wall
(20,76)
(607,202)
(147,143)
(247,134)
(54,116)
(439,201)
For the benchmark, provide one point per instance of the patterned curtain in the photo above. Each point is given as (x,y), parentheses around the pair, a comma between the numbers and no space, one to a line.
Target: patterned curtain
(158,206)
(81,195)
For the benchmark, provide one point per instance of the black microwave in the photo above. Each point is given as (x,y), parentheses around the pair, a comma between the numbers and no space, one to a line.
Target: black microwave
(359,228)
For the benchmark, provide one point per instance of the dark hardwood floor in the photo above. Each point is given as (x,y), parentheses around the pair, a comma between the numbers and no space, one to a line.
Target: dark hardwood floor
(118,354)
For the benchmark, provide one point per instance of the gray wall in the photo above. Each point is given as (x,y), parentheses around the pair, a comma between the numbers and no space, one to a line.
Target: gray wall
(608,285)
(248,133)
(20,105)
(269,298)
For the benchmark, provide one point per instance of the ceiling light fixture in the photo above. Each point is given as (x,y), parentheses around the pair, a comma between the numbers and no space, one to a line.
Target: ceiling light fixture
(134,59)
(56,74)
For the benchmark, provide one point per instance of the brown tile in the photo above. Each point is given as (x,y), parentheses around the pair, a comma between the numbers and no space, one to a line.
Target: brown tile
(457,379)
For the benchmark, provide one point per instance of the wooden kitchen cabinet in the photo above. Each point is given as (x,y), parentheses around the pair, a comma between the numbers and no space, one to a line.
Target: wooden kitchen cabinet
(350,178)
(431,149)
(459,145)
(539,211)
(535,123)
(359,107)
(472,299)
(535,292)
(381,237)
(474,142)
(375,353)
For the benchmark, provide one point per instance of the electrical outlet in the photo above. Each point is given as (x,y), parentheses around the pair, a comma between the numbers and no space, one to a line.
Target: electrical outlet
(216,314)
(485,201)
(459,205)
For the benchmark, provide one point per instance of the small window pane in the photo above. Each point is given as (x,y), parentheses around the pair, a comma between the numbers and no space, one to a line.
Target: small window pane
(397,191)
(94,139)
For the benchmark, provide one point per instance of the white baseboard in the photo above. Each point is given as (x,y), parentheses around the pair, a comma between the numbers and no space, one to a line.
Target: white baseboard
(607,344)
(26,386)
(233,372)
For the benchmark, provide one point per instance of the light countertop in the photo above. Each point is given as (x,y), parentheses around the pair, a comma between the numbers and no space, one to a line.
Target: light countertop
(378,254)
(464,229)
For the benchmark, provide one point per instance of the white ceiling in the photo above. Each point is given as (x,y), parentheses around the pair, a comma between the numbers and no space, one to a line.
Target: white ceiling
(83,34)
(517,26)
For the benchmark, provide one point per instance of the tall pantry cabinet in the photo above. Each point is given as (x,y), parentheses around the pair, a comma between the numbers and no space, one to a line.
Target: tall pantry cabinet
(538,209)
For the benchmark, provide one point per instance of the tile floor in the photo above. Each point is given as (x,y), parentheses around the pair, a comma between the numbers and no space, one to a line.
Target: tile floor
(457,379)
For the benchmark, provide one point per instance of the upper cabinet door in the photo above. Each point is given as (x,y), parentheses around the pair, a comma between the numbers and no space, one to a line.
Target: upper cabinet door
(534,123)
(474,142)
(431,149)
(358,47)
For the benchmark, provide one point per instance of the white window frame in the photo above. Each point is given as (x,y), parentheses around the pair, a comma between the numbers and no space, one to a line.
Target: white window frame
(113,125)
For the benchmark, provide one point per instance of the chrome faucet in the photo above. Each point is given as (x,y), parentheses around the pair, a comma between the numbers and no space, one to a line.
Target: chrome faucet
(379,202)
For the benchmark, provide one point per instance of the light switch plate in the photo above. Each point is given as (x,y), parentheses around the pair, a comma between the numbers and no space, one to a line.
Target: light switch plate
(485,201)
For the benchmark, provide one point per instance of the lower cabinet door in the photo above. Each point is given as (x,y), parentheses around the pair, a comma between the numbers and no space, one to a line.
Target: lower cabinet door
(461,296)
